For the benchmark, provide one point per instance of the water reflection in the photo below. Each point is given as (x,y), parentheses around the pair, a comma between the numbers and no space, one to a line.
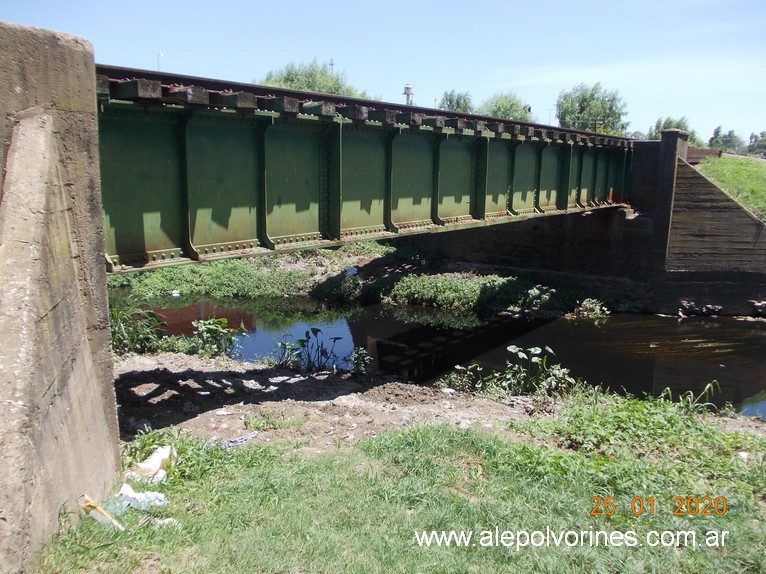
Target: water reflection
(648,354)
(261,343)
(638,353)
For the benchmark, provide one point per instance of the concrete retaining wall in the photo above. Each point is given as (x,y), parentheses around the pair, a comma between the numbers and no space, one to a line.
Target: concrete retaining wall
(714,250)
(58,426)
(711,231)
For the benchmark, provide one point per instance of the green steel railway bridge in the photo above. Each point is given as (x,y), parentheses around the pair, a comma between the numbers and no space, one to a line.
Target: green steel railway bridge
(194,169)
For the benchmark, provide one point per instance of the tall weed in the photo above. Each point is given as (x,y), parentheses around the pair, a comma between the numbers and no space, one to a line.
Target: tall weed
(135,328)
(527,372)
(212,337)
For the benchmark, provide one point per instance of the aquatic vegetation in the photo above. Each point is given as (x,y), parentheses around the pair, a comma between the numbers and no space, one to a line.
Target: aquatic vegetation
(482,294)
(312,352)
(359,359)
(137,329)
(212,337)
(527,372)
(590,308)
(453,291)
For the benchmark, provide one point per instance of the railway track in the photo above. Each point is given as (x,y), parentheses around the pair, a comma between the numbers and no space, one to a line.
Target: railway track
(160,88)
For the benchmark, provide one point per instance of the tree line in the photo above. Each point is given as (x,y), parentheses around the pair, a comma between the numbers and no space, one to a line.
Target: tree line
(585,107)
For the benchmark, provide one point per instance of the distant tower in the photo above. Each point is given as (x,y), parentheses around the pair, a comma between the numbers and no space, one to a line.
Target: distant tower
(409,92)
(332,65)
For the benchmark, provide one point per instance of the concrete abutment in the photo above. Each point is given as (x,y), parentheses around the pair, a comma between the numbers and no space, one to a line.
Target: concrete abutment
(58,423)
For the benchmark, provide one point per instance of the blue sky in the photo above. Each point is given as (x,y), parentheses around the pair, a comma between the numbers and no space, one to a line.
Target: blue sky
(703,59)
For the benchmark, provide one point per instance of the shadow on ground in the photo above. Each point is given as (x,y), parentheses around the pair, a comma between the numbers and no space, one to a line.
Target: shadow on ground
(163,397)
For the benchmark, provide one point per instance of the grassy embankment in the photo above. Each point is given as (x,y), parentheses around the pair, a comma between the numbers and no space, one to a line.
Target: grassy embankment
(268,509)
(742,178)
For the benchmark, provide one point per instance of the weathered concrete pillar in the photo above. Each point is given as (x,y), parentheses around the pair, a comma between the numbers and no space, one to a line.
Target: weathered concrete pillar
(674,144)
(58,426)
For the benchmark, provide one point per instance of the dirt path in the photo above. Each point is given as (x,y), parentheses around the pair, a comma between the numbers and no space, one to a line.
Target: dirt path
(226,399)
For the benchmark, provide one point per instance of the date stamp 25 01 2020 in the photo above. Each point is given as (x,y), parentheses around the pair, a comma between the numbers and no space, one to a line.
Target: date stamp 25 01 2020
(639,505)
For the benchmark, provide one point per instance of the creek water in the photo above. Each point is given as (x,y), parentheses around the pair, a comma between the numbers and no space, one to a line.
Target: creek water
(638,353)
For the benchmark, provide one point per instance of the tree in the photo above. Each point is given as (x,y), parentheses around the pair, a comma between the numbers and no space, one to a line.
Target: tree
(312,77)
(456,102)
(757,143)
(592,108)
(506,105)
(728,141)
(655,132)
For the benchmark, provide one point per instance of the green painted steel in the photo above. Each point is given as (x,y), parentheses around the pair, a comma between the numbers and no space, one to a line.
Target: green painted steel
(498,184)
(296,181)
(412,180)
(457,158)
(183,183)
(587,176)
(571,170)
(363,181)
(550,177)
(524,178)
(223,183)
(142,178)
(602,173)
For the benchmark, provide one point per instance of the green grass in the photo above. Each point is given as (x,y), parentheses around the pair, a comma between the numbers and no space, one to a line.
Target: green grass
(269,420)
(233,279)
(667,444)
(134,328)
(367,249)
(267,276)
(265,509)
(322,275)
(742,178)
(485,294)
